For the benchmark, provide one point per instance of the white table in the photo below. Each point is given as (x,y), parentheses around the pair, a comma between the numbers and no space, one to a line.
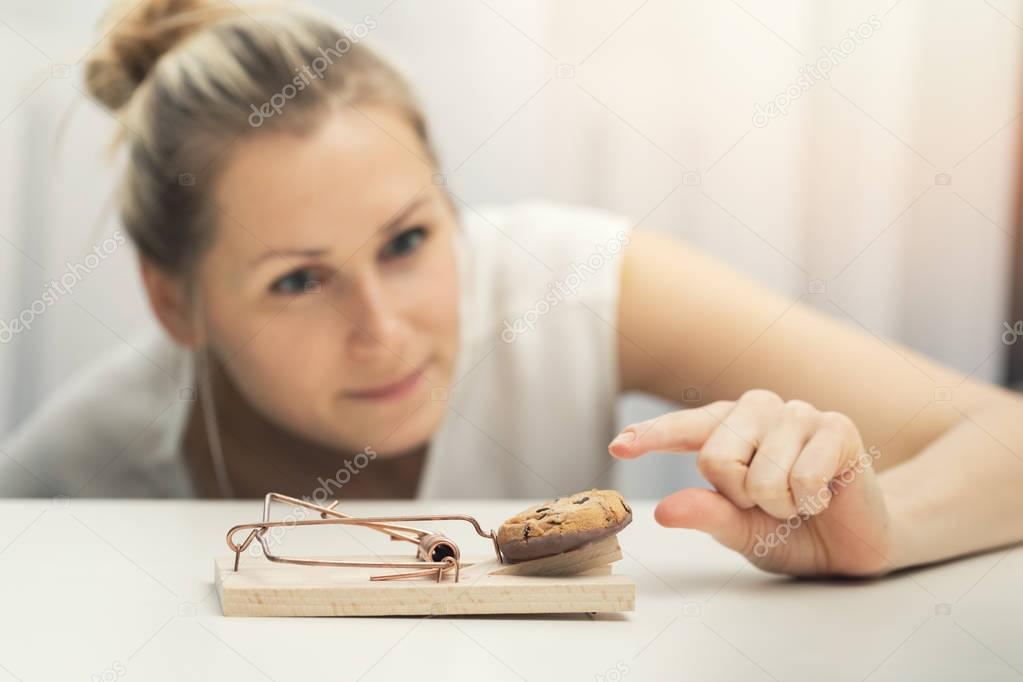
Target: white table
(109,589)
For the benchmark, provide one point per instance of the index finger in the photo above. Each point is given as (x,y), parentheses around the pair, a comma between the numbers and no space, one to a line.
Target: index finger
(679,431)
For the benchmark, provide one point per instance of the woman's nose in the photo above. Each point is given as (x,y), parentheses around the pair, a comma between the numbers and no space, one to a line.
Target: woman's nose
(376,321)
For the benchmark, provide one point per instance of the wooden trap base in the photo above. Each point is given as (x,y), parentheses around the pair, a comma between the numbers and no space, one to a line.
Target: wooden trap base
(575,582)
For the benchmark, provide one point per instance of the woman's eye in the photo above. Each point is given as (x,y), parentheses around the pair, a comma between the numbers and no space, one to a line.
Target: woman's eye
(405,243)
(298,281)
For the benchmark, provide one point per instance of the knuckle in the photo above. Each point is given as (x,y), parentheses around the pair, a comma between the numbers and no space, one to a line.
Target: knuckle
(719,405)
(837,421)
(761,396)
(799,410)
(711,465)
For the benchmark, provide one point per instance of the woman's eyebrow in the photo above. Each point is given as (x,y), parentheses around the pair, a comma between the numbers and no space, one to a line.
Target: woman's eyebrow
(395,222)
(288,253)
(389,227)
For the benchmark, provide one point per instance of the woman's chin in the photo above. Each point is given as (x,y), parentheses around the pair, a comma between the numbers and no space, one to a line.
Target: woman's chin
(396,434)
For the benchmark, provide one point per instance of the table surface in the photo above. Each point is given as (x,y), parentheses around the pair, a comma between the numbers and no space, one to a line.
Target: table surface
(106,589)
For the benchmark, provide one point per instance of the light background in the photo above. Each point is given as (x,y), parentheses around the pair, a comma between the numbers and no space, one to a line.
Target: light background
(892,181)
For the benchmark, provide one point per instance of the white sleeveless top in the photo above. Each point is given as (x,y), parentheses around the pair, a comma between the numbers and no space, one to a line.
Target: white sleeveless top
(531,409)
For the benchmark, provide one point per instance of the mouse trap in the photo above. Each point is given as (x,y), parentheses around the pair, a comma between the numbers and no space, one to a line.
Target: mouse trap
(552,558)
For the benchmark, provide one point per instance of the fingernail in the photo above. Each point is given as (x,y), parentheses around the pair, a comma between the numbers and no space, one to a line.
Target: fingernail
(624,437)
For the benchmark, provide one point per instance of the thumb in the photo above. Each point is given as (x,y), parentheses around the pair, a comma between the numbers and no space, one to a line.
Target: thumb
(680,431)
(710,512)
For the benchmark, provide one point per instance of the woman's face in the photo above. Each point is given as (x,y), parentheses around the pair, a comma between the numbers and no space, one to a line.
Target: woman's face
(330,291)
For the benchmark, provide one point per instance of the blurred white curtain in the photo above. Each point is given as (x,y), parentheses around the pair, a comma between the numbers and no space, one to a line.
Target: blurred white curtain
(884,194)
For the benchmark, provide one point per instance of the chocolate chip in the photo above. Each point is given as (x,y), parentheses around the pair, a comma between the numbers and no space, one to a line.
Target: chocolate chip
(543,509)
(525,531)
(581,500)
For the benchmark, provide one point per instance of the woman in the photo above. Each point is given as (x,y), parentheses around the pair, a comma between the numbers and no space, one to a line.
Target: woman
(354,325)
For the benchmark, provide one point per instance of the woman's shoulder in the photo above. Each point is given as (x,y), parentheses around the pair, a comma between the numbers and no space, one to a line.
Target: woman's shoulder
(106,427)
(522,250)
(541,229)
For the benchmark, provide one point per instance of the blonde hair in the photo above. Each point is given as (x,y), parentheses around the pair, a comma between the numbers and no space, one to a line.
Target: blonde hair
(187,79)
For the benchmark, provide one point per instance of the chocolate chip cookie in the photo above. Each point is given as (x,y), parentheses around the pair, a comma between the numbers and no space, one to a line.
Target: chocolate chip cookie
(563,524)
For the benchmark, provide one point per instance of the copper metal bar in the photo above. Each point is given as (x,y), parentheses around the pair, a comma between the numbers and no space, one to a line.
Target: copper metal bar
(436,553)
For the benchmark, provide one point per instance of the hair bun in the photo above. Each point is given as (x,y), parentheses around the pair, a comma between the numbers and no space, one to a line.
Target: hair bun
(135,35)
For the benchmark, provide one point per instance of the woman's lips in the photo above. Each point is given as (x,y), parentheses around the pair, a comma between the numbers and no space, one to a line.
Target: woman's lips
(392,391)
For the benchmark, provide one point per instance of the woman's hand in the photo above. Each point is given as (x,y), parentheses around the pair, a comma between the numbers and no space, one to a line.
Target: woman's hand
(796,492)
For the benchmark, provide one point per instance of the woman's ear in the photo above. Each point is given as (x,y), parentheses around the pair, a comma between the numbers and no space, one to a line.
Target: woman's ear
(169,298)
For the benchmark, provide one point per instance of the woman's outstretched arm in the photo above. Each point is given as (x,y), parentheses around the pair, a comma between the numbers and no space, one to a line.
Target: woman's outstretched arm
(793,413)
(963,493)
